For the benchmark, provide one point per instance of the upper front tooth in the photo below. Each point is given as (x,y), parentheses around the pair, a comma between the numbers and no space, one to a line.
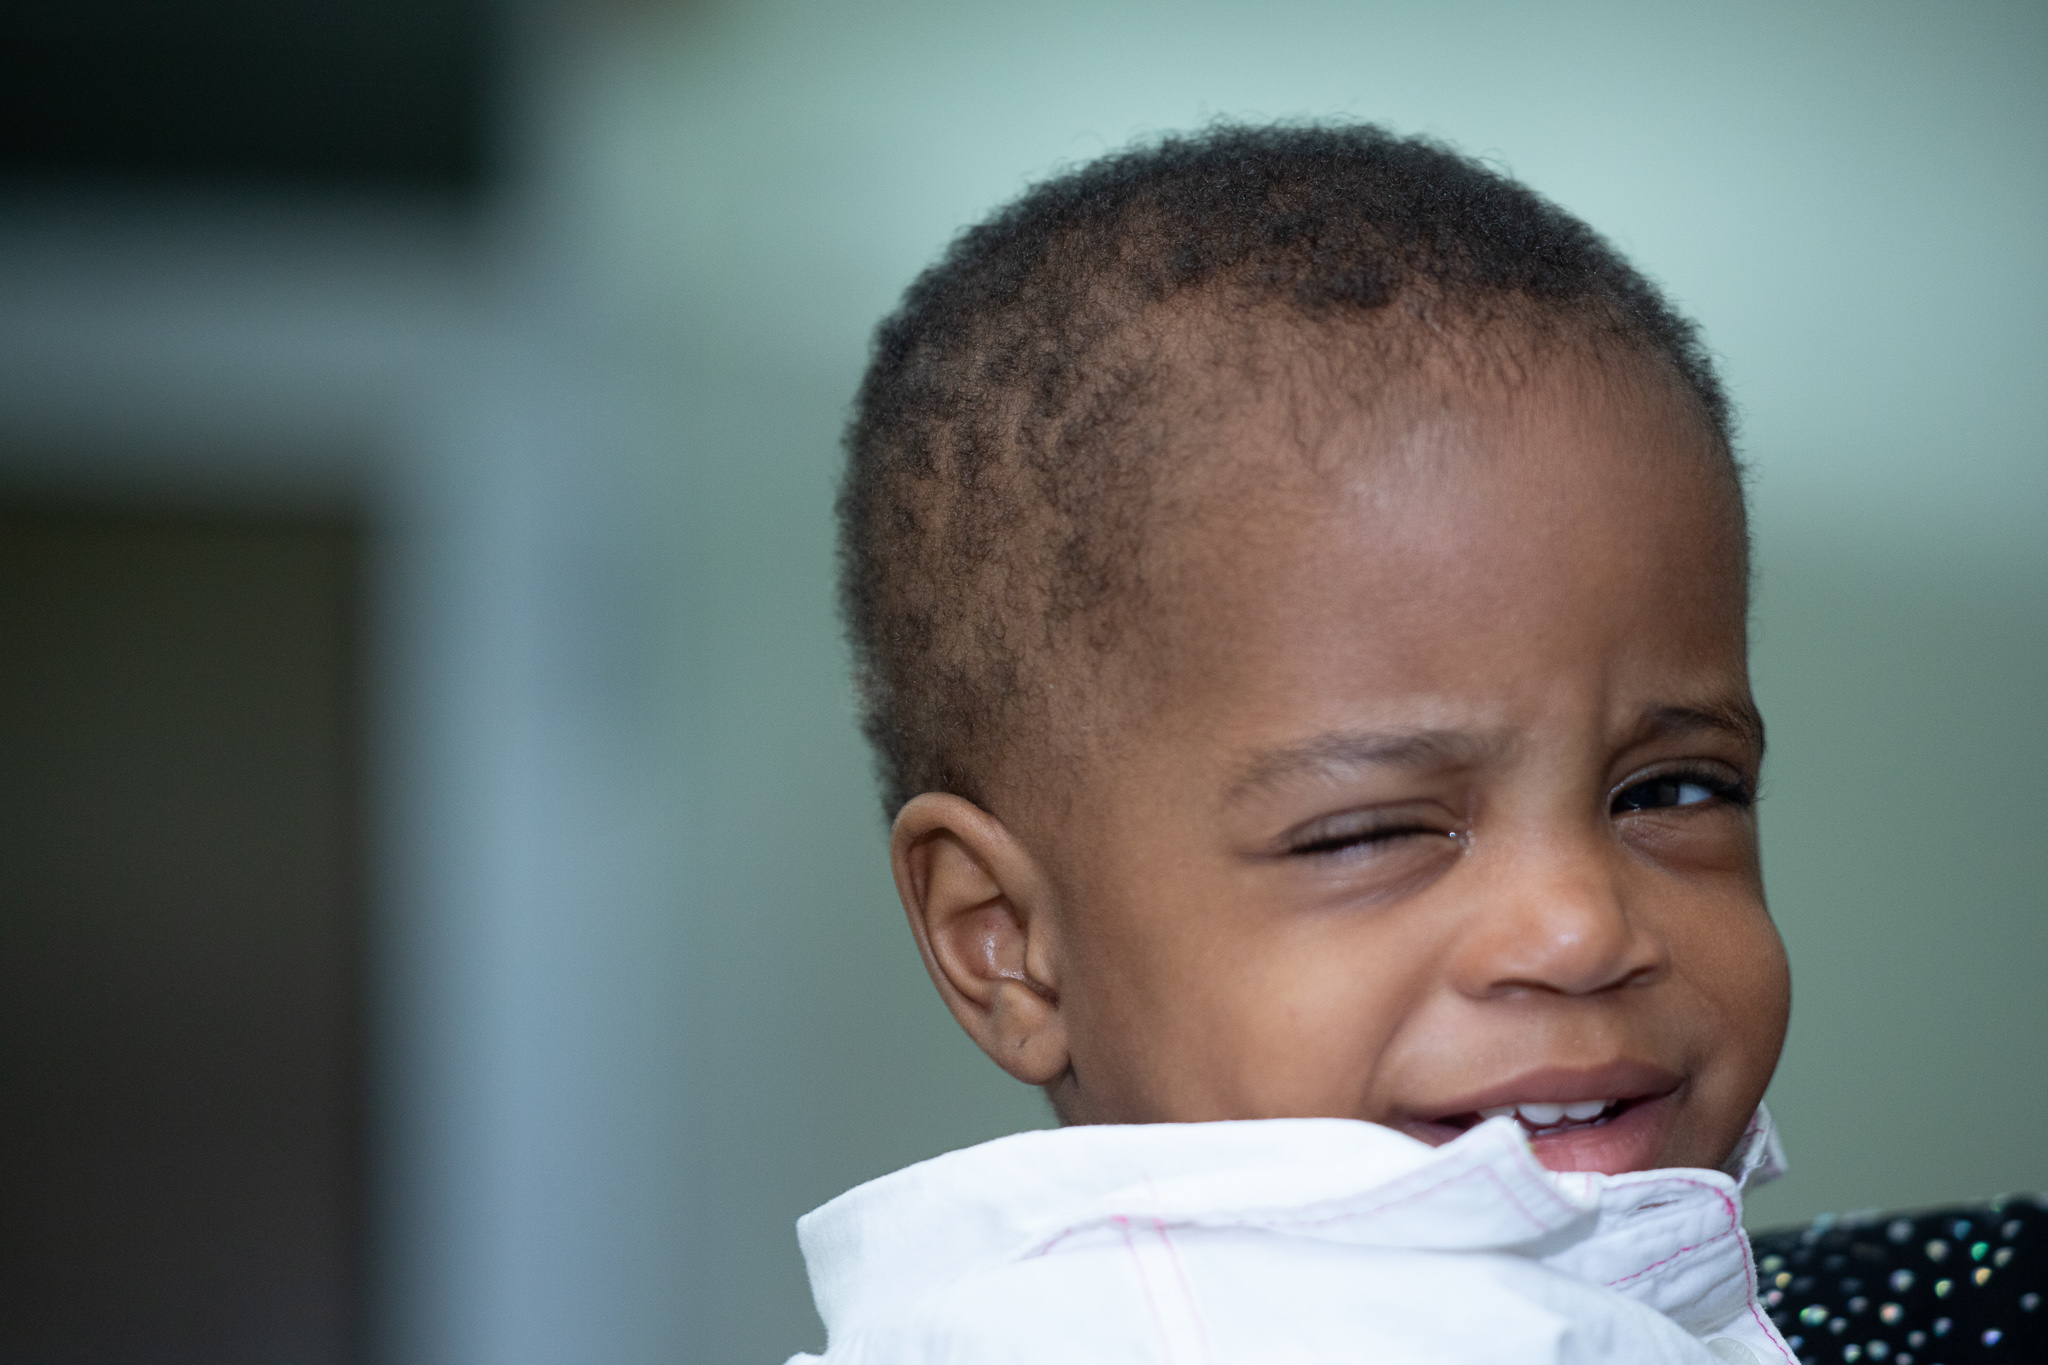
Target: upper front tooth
(1584,1109)
(1542,1115)
(1496,1111)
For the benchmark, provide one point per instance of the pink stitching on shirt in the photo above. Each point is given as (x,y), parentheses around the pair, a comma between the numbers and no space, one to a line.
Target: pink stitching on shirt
(1727,1205)
(1187,1290)
(1158,1324)
(1481,1171)
(1145,1284)
(1748,1268)
(1769,1335)
(1487,1172)
(1484,1171)
(1749,1279)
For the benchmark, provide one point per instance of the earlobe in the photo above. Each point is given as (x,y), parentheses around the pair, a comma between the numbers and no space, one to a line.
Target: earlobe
(983,919)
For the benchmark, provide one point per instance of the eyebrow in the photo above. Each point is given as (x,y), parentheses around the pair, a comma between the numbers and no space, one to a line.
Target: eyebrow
(1341,751)
(1739,718)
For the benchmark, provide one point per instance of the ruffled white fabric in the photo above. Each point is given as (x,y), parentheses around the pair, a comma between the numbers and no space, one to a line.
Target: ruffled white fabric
(1284,1242)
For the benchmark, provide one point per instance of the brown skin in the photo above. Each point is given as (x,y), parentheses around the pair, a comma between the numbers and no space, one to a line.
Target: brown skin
(1441,804)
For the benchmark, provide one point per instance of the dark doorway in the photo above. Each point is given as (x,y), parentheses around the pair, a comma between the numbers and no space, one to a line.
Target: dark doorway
(350,95)
(181,924)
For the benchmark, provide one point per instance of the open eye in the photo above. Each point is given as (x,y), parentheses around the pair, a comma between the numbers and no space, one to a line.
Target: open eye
(1670,791)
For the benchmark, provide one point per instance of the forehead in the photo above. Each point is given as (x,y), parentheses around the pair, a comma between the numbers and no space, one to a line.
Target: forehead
(1452,540)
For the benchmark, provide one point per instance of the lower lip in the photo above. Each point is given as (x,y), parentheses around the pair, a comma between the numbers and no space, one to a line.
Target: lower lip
(1632,1140)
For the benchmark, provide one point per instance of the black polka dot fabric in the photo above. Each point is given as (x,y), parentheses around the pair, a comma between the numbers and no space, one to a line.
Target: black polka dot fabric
(1942,1287)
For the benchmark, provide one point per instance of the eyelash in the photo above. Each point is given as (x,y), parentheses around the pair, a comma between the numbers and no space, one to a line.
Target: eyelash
(1735,791)
(1361,837)
(1719,787)
(1365,838)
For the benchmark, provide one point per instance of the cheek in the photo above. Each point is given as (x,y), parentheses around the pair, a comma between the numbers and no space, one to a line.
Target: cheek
(1150,967)
(1743,964)
(1772,996)
(1221,1007)
(1725,1012)
(1309,1008)
(1707,896)
(1735,963)
(1717,851)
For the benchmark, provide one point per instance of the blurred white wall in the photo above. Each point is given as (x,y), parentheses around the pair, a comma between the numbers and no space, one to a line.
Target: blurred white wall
(646,994)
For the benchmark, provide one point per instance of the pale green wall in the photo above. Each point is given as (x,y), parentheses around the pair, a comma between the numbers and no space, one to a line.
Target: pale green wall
(1850,196)
(1904,681)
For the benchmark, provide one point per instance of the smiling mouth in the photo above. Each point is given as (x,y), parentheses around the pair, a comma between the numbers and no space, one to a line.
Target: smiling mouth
(1544,1119)
(1609,1119)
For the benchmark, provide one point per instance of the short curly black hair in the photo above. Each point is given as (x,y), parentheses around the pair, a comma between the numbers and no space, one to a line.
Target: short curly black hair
(1013,425)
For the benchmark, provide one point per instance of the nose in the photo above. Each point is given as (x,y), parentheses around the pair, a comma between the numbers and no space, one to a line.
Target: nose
(1553,917)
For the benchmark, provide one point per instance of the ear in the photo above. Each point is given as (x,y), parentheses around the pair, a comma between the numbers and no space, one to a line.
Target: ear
(983,917)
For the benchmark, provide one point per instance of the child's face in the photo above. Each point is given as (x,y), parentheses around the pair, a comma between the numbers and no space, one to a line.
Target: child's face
(1437,802)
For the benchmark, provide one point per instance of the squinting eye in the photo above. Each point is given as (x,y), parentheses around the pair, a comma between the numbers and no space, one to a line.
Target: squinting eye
(1363,833)
(1358,840)
(1664,793)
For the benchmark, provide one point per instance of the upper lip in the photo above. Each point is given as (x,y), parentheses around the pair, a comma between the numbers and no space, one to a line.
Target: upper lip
(1620,1080)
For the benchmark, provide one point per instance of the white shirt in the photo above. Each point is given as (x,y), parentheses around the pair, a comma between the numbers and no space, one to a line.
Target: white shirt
(1284,1242)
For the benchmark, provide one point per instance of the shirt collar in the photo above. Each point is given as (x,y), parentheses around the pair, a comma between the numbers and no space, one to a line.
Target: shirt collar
(1670,1238)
